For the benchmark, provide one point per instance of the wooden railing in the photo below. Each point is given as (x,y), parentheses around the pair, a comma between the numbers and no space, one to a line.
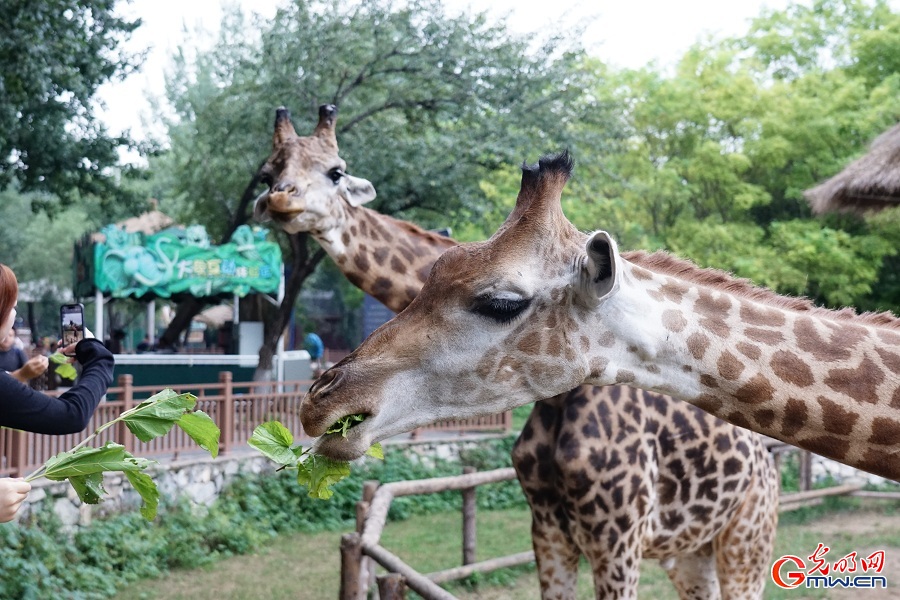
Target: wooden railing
(236,407)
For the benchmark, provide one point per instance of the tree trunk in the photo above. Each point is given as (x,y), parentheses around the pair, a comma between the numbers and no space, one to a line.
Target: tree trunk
(301,266)
(190,307)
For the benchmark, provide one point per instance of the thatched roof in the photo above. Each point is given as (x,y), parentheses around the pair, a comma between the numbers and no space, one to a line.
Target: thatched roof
(870,183)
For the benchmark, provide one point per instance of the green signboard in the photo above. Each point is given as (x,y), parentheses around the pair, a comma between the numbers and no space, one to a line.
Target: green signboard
(180,261)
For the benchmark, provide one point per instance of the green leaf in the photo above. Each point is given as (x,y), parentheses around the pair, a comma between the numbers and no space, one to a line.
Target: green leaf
(66,371)
(343,424)
(318,474)
(376,451)
(64,367)
(148,491)
(88,487)
(85,461)
(154,417)
(274,440)
(202,429)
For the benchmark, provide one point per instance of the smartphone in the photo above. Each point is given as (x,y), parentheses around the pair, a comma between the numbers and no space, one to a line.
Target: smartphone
(71,323)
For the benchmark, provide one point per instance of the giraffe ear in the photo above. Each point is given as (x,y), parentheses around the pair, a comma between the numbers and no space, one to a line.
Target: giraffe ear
(358,190)
(600,275)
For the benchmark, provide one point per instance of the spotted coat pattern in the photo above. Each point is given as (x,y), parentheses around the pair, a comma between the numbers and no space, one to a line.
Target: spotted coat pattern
(619,474)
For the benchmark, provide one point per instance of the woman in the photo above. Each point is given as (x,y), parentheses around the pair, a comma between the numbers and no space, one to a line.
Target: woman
(24,408)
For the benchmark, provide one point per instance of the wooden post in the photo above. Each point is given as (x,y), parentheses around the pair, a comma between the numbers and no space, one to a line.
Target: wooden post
(19,459)
(391,586)
(226,418)
(126,382)
(805,470)
(362,511)
(468,525)
(351,562)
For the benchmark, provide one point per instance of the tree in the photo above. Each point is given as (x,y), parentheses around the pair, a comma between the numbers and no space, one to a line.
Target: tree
(429,104)
(53,56)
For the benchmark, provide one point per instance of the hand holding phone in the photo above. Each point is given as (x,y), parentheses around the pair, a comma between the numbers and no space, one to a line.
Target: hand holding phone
(71,323)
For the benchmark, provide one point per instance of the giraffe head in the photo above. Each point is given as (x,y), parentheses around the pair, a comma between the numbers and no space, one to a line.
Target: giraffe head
(496,325)
(307,178)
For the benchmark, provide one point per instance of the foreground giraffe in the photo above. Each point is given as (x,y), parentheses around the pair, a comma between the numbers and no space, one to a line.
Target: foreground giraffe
(663,479)
(541,307)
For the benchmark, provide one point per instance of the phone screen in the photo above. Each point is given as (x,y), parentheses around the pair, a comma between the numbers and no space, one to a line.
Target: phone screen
(71,317)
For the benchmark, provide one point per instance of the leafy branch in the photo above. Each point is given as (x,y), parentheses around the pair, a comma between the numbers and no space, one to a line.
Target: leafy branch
(63,367)
(84,466)
(317,473)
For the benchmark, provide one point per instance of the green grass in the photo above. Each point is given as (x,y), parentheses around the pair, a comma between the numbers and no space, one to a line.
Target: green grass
(307,566)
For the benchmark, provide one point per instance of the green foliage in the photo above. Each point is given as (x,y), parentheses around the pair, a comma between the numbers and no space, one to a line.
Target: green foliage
(63,367)
(84,466)
(316,473)
(53,57)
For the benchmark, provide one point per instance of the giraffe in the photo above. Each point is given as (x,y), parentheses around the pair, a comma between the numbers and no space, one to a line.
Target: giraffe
(712,527)
(541,307)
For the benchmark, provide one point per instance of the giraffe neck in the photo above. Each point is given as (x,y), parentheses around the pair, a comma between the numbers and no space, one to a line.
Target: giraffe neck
(823,380)
(387,258)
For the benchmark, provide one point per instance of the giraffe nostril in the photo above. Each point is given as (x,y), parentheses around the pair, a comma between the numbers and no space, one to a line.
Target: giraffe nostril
(286,187)
(326,382)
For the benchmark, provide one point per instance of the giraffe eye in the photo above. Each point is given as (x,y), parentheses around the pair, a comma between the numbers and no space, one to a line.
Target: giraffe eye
(335,175)
(502,310)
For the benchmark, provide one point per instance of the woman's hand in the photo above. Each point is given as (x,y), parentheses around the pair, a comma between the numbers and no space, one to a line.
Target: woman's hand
(12,494)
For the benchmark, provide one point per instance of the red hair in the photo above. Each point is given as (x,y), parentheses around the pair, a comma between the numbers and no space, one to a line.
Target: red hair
(9,291)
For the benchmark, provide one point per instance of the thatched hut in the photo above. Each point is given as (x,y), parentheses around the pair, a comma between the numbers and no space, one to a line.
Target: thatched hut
(870,183)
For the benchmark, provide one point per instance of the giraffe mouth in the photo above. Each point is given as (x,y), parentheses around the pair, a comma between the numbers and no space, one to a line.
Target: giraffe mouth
(284,215)
(340,443)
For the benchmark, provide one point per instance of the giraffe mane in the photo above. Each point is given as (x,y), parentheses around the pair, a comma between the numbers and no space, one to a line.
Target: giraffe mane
(665,263)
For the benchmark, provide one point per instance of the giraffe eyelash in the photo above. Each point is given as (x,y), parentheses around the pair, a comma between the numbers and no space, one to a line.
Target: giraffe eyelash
(501,310)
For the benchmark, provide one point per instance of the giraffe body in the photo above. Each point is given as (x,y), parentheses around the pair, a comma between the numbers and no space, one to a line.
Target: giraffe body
(619,474)
(634,496)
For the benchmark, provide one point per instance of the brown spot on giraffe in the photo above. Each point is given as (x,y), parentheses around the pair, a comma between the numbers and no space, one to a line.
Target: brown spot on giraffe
(607,339)
(752,314)
(764,336)
(751,351)
(674,290)
(795,417)
(530,343)
(860,383)
(729,366)
(674,320)
(791,368)
(697,343)
(380,255)
(755,391)
(837,347)
(397,266)
(890,360)
(885,432)
(836,418)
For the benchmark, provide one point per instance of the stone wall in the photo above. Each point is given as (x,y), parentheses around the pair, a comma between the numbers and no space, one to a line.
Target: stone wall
(199,479)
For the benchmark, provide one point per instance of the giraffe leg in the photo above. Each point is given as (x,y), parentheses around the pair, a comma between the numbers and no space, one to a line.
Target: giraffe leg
(616,569)
(694,575)
(532,456)
(744,547)
(556,555)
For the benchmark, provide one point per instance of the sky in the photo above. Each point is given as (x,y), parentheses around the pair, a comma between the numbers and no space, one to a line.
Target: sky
(624,33)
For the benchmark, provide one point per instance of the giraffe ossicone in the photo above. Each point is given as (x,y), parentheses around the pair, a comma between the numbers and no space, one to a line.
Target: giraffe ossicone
(541,308)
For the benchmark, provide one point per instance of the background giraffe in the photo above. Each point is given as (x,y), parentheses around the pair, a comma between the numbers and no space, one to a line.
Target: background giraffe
(557,308)
(613,473)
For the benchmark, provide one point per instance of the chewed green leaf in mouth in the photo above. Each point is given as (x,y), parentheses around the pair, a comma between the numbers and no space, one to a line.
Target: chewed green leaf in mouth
(344,424)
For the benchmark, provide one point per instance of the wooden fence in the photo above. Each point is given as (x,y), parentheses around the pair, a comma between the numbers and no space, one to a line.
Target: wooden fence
(361,549)
(236,407)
